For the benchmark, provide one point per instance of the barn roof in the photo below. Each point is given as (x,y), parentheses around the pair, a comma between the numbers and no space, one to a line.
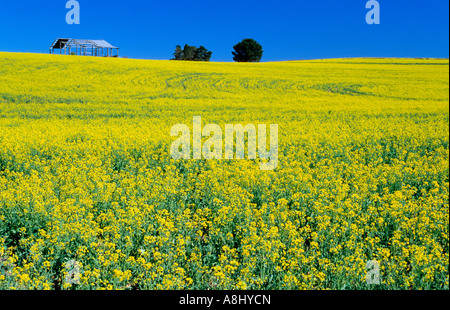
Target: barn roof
(102,43)
(61,43)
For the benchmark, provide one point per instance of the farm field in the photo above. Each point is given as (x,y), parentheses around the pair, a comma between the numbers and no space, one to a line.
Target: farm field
(90,197)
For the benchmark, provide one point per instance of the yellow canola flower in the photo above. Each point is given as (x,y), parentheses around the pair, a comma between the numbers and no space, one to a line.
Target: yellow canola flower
(86,175)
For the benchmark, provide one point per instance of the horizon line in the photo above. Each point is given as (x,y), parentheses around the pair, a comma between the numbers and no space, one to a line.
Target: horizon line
(268,61)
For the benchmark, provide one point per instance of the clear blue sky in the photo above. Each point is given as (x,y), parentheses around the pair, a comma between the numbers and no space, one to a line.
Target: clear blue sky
(287,29)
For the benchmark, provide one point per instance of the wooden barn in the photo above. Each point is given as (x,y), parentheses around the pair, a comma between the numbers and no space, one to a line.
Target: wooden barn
(99,48)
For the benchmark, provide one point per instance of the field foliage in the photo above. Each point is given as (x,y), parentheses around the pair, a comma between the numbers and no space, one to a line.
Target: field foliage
(90,197)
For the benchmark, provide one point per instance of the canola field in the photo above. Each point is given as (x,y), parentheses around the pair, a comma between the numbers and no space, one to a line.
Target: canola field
(91,199)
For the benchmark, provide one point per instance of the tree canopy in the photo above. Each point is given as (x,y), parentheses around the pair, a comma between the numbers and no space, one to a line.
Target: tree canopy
(192,53)
(248,50)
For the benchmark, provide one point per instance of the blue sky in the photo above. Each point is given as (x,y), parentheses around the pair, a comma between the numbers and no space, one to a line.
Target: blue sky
(287,29)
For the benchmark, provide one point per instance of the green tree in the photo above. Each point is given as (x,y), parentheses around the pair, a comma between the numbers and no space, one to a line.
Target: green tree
(202,54)
(192,53)
(178,55)
(248,50)
(189,52)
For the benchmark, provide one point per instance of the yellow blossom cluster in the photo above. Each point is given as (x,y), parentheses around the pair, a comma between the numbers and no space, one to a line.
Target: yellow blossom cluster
(90,197)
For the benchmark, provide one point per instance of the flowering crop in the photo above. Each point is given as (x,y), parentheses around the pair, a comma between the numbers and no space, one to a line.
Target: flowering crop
(90,197)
